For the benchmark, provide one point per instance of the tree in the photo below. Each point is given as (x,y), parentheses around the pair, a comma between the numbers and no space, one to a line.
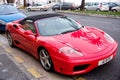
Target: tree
(4,1)
(10,1)
(82,5)
(25,3)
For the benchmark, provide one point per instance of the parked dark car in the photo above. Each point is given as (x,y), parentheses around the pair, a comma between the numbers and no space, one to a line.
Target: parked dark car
(112,4)
(64,6)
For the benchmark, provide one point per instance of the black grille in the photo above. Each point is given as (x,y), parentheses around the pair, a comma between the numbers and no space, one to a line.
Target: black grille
(80,67)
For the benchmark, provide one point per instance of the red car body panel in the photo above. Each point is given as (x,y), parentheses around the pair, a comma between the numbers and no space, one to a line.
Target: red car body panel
(89,41)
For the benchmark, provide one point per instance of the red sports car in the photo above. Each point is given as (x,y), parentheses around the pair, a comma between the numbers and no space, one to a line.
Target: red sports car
(61,43)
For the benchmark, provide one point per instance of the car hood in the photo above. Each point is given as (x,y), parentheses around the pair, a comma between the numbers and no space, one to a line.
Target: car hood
(12,17)
(84,40)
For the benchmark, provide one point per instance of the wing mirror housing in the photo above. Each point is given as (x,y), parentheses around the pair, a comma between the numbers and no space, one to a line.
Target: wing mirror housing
(28,32)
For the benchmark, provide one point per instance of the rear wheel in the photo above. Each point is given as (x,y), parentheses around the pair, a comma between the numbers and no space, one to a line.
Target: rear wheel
(85,9)
(114,10)
(29,9)
(98,10)
(45,60)
(10,40)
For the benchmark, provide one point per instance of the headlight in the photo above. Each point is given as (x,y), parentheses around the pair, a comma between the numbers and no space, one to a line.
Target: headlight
(2,22)
(109,38)
(68,51)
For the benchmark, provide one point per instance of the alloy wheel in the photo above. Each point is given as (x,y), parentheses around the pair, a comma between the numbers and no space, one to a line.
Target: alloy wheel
(45,60)
(10,40)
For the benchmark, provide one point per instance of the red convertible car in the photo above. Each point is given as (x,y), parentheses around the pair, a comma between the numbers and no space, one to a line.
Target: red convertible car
(61,43)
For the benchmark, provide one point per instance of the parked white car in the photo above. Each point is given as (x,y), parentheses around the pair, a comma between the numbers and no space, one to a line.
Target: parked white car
(97,6)
(38,7)
(116,9)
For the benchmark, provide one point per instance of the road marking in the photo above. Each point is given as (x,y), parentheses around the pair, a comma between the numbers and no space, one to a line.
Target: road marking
(34,72)
(80,78)
(8,50)
(19,59)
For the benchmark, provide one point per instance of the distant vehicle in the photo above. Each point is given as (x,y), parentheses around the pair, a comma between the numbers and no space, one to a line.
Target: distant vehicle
(41,6)
(97,6)
(111,4)
(8,14)
(116,9)
(64,6)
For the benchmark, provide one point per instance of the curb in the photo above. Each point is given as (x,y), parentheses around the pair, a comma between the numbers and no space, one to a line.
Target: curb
(88,14)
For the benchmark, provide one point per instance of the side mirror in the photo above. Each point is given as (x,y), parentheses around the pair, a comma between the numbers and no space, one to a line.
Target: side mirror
(30,35)
(28,32)
(15,26)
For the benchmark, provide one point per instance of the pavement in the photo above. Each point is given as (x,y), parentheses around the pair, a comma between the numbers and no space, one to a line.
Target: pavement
(15,64)
(8,69)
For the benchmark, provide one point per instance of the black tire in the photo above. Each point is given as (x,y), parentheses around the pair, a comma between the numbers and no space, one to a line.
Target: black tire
(10,40)
(98,10)
(28,9)
(55,9)
(41,9)
(46,10)
(85,9)
(45,60)
(114,10)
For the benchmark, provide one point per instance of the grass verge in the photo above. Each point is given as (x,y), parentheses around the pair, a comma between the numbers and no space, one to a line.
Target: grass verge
(95,12)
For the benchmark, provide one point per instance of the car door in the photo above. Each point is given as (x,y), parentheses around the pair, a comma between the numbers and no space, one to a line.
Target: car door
(89,6)
(39,7)
(34,7)
(57,6)
(66,6)
(28,37)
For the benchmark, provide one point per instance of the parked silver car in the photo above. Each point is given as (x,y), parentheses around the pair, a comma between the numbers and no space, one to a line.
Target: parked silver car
(97,6)
(40,6)
(116,9)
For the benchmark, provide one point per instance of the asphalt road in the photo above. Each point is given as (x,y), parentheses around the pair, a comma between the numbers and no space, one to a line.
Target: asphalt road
(110,71)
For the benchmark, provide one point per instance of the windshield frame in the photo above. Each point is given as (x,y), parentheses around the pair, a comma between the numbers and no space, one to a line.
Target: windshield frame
(68,29)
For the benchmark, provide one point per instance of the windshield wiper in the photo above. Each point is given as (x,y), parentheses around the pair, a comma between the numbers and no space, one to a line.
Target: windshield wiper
(67,31)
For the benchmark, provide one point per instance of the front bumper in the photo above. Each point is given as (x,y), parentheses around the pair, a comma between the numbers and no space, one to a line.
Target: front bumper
(81,66)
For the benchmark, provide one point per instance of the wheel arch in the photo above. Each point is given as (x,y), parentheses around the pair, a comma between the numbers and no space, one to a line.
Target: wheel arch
(42,47)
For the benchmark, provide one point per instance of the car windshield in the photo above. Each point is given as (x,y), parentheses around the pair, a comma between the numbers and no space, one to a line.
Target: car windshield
(6,9)
(57,25)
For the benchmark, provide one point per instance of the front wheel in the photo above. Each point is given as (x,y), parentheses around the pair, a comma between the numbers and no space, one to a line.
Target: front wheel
(45,60)
(10,40)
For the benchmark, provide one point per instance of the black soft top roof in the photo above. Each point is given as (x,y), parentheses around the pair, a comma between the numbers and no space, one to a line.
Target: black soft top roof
(41,16)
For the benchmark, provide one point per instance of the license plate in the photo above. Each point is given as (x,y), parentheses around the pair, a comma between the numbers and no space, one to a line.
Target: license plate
(104,61)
